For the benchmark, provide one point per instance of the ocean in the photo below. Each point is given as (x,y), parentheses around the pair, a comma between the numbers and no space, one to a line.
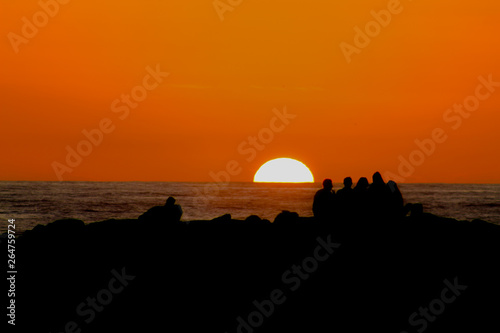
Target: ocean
(31,203)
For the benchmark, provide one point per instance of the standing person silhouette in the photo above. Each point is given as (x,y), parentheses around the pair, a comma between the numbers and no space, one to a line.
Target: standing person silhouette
(324,200)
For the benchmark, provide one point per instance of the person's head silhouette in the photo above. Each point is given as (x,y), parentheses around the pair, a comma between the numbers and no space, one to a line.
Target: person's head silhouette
(327,184)
(362,183)
(347,182)
(170,201)
(377,179)
(392,186)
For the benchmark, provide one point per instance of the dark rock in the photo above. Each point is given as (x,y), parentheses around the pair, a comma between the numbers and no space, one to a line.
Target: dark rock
(204,275)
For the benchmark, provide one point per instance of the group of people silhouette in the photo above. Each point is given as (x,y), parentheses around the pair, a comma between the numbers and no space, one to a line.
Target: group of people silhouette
(378,199)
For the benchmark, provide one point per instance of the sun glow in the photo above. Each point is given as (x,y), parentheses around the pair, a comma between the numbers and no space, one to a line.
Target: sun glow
(283,170)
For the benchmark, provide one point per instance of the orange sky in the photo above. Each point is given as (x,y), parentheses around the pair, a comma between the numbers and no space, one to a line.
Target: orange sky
(227,76)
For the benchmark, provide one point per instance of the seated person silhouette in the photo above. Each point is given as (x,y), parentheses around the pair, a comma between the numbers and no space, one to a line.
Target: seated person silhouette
(344,197)
(324,200)
(396,202)
(361,186)
(360,197)
(396,193)
(170,212)
(379,196)
(378,184)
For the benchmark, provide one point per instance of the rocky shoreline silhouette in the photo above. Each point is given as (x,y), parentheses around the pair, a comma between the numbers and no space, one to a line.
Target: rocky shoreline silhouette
(409,274)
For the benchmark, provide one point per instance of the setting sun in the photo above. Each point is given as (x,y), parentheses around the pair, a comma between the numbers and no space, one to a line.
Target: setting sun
(283,170)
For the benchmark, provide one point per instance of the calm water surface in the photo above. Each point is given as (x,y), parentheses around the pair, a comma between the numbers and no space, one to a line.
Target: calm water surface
(32,203)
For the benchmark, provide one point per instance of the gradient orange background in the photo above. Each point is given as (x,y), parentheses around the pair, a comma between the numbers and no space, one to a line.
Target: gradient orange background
(227,76)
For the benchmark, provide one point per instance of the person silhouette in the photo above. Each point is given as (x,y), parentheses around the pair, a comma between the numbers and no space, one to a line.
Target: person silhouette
(360,197)
(344,197)
(396,202)
(378,183)
(361,185)
(378,195)
(172,210)
(168,212)
(324,200)
(347,187)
